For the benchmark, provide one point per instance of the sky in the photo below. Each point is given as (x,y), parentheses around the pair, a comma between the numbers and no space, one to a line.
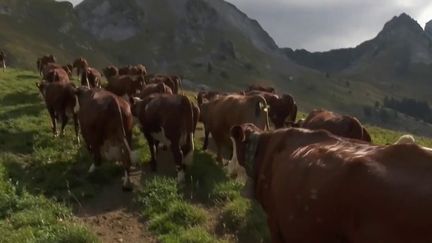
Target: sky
(320,25)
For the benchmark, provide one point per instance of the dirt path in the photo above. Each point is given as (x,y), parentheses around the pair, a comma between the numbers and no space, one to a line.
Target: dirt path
(112,215)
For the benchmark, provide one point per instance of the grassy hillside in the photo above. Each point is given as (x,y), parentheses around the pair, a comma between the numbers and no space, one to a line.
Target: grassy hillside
(36,167)
(48,180)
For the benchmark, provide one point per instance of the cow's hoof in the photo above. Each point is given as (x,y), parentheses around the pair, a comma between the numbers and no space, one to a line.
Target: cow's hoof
(127,188)
(180,177)
(248,189)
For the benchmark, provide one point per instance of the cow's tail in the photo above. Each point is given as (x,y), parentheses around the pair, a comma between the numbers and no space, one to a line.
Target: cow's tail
(188,127)
(126,150)
(123,136)
(181,85)
(356,129)
(366,135)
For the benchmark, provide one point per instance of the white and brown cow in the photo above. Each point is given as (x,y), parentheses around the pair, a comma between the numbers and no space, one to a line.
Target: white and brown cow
(283,108)
(106,125)
(340,125)
(170,120)
(125,86)
(91,77)
(318,187)
(223,112)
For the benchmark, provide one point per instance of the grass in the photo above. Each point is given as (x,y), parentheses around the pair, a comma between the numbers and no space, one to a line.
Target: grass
(384,136)
(28,218)
(48,176)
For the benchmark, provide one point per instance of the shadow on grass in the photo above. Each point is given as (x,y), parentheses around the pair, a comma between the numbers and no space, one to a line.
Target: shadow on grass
(27,76)
(19,98)
(67,181)
(246,219)
(16,142)
(203,177)
(31,109)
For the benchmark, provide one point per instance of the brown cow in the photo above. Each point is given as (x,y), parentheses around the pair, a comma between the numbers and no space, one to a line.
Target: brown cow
(52,66)
(43,61)
(138,70)
(283,108)
(340,125)
(317,187)
(220,114)
(81,65)
(172,81)
(126,85)
(149,89)
(133,70)
(56,75)
(3,60)
(206,96)
(68,68)
(110,71)
(257,87)
(156,79)
(91,77)
(106,125)
(168,119)
(60,101)
(125,70)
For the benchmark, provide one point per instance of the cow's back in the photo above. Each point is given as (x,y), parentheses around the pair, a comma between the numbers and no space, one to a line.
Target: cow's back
(225,112)
(100,116)
(344,126)
(330,189)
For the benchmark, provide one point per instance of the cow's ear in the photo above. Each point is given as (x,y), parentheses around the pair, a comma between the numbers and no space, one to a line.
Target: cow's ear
(237,133)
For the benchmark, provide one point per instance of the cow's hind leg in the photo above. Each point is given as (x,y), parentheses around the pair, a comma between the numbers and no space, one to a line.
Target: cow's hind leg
(97,159)
(76,126)
(64,120)
(188,149)
(53,121)
(126,157)
(153,148)
(206,139)
(178,159)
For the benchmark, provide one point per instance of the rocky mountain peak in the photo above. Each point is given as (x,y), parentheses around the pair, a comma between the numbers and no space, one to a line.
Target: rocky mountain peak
(428,28)
(401,24)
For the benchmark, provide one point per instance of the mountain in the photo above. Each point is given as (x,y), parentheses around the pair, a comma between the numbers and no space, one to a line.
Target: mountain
(402,50)
(31,28)
(207,41)
(428,28)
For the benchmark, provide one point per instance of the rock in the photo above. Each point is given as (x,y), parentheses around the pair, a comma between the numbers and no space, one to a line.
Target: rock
(428,29)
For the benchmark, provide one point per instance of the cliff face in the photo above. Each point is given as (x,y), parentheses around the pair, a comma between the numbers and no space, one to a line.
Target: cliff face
(399,49)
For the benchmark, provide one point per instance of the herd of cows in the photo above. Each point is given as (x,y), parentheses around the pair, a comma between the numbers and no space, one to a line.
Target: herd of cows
(319,179)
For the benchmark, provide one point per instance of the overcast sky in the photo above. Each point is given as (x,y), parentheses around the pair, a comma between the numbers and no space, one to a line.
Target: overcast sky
(319,25)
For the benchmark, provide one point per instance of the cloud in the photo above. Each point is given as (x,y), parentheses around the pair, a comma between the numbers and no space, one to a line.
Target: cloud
(326,24)
(319,25)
